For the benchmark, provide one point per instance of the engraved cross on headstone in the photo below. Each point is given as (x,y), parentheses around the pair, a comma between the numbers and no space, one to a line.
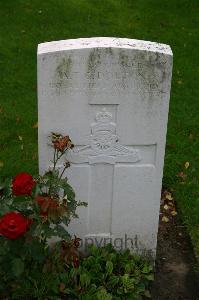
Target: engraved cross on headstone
(102,153)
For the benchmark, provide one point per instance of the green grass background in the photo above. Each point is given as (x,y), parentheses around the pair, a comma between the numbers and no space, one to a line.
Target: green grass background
(25,23)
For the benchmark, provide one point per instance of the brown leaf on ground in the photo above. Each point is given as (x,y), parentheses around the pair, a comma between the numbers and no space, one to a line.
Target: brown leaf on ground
(34,156)
(174,213)
(165,219)
(166,207)
(186,165)
(179,82)
(191,136)
(168,196)
(35,125)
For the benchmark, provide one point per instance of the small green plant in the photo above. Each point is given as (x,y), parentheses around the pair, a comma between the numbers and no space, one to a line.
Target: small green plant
(107,274)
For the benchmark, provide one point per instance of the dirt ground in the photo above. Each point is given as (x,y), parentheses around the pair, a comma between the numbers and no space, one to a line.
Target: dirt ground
(175,277)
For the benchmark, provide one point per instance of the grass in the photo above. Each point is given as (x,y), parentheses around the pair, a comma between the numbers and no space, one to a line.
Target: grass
(25,23)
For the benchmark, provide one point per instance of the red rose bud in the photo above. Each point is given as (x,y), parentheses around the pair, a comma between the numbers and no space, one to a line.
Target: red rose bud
(22,184)
(13,225)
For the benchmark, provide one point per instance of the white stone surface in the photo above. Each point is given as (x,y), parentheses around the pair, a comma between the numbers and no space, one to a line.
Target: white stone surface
(111,95)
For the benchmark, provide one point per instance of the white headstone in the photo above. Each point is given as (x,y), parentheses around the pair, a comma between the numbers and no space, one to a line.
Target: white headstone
(111,95)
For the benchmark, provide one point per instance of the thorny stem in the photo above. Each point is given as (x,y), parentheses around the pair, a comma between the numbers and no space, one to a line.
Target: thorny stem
(54,163)
(56,157)
(54,166)
(63,172)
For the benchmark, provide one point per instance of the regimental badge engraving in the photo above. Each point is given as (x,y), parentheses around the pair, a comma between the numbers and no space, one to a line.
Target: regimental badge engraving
(104,144)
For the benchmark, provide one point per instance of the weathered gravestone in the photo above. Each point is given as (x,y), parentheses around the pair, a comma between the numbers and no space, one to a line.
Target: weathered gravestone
(111,96)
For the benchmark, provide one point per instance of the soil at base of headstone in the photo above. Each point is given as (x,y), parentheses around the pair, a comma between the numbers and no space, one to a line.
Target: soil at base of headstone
(175,275)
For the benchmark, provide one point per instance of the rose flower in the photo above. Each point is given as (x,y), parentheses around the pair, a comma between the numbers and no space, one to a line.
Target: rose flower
(22,184)
(60,142)
(13,225)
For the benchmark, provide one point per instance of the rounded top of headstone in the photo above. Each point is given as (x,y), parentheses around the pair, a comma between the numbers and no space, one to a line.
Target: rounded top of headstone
(103,42)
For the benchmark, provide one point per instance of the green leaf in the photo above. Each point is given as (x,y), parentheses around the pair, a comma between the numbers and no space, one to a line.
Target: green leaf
(36,250)
(128,283)
(84,279)
(150,277)
(120,291)
(128,268)
(61,232)
(113,281)
(109,267)
(89,261)
(102,294)
(67,291)
(141,287)
(145,269)
(112,257)
(95,251)
(17,267)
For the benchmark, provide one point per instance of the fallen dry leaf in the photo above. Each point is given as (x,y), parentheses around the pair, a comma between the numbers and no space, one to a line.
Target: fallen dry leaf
(191,136)
(166,207)
(168,196)
(35,125)
(179,82)
(34,156)
(174,213)
(165,219)
(186,165)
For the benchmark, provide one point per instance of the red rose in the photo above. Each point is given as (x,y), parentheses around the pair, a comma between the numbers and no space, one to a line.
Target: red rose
(13,225)
(22,184)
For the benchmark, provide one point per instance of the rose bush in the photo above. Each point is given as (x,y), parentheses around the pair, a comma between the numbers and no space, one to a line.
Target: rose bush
(31,212)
